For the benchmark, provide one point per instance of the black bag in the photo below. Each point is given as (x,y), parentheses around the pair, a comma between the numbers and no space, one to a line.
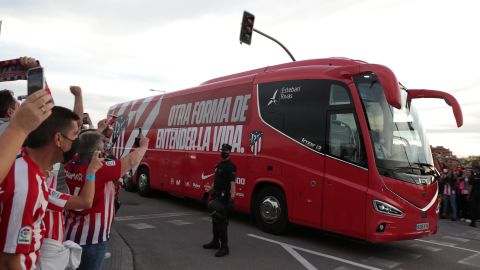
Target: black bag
(216,209)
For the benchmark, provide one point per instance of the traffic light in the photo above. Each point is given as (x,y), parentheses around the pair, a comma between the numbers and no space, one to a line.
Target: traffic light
(246,30)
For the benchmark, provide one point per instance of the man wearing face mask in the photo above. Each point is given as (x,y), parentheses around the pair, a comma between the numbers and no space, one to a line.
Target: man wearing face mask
(90,228)
(24,194)
(223,193)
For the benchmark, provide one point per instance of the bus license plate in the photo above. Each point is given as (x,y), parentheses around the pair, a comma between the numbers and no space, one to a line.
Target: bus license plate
(422,226)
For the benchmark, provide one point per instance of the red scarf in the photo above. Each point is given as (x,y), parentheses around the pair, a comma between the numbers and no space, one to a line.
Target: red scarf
(12,70)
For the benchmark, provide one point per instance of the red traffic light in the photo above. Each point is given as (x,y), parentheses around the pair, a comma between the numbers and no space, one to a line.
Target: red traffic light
(246,29)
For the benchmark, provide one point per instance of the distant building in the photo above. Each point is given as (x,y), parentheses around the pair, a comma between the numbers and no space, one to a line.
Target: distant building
(444,158)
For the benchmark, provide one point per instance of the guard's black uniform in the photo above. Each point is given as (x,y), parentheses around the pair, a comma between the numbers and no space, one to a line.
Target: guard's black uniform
(225,174)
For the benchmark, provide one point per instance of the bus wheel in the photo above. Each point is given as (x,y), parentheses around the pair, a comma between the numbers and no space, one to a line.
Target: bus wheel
(270,210)
(128,184)
(143,182)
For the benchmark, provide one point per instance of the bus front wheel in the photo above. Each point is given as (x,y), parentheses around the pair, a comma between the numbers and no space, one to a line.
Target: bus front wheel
(143,182)
(270,210)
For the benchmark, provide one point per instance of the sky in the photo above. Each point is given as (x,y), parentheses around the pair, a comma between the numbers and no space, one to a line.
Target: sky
(118,50)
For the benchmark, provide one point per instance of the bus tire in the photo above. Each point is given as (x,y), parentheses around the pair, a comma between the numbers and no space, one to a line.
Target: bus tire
(128,184)
(143,182)
(270,210)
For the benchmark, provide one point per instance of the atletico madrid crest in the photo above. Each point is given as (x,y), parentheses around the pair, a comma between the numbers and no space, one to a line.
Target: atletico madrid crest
(256,141)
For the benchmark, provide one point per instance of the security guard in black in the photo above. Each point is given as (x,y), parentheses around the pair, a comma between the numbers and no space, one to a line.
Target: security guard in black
(223,193)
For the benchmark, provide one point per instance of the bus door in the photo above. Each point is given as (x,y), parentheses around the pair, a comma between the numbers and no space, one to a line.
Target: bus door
(346,174)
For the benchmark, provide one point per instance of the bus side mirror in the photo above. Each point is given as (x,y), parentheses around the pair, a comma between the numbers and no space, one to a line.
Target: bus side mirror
(449,99)
(387,78)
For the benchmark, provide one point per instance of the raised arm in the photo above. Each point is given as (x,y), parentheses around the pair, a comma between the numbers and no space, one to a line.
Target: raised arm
(132,159)
(33,111)
(78,103)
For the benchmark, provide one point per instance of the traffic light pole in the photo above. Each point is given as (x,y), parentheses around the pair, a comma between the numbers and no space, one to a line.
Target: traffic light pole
(278,42)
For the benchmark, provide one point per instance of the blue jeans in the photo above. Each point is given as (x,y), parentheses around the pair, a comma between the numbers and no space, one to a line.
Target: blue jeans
(92,256)
(450,202)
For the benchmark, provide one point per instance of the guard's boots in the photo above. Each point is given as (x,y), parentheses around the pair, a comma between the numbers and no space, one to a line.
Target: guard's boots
(214,244)
(222,251)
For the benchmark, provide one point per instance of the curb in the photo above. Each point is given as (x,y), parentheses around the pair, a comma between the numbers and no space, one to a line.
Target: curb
(122,257)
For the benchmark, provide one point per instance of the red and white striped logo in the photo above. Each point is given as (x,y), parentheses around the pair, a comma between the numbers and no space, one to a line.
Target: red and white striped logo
(256,141)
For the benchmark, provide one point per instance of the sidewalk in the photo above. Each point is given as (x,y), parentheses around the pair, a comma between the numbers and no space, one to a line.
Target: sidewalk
(122,258)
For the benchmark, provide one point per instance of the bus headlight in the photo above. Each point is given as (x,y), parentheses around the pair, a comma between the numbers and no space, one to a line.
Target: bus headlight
(387,209)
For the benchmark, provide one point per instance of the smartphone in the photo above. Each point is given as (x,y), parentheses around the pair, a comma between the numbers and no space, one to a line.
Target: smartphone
(35,80)
(137,139)
(85,119)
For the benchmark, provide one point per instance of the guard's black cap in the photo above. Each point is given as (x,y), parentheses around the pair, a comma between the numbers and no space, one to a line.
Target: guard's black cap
(226,147)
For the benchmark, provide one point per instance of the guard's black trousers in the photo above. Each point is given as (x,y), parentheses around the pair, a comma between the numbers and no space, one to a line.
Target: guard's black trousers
(220,226)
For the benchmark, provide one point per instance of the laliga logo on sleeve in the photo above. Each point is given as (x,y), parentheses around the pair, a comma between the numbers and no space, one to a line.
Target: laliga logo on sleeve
(25,235)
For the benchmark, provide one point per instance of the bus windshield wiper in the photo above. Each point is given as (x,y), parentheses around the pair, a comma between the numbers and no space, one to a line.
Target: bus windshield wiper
(423,164)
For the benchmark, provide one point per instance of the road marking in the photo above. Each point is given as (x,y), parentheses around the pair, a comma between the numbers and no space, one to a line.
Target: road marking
(473,260)
(206,219)
(288,246)
(463,240)
(299,257)
(450,245)
(141,226)
(442,243)
(428,248)
(382,262)
(179,222)
(153,216)
(472,234)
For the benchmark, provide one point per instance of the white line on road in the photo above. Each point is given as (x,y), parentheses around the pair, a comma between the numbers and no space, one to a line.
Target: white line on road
(179,222)
(314,253)
(450,245)
(153,216)
(429,248)
(473,260)
(141,226)
(299,258)
(384,263)
(463,240)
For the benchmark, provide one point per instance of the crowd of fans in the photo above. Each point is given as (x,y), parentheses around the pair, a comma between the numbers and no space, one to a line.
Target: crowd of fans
(460,192)
(40,227)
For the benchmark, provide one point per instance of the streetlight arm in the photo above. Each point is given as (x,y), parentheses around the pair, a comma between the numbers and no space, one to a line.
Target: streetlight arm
(278,42)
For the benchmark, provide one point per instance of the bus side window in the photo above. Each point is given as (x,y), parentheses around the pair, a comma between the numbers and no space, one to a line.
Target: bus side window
(343,138)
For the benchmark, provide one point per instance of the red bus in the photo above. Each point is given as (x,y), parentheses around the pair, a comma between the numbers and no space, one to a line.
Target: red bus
(333,144)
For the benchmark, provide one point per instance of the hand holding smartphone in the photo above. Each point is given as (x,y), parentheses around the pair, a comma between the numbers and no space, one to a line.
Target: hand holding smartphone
(85,119)
(35,80)
(137,139)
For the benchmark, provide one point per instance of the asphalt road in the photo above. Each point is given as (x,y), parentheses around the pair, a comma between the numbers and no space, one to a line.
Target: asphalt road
(167,232)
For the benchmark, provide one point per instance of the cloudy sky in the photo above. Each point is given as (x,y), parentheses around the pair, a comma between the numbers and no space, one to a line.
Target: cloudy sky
(118,50)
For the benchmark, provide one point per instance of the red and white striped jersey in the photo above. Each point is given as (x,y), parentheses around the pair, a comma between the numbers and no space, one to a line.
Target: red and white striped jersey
(23,200)
(91,226)
(54,216)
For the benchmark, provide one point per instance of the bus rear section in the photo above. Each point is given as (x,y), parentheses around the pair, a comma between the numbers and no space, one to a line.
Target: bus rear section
(333,144)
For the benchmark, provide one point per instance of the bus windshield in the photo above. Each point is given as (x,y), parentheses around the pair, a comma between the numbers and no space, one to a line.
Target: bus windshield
(397,135)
